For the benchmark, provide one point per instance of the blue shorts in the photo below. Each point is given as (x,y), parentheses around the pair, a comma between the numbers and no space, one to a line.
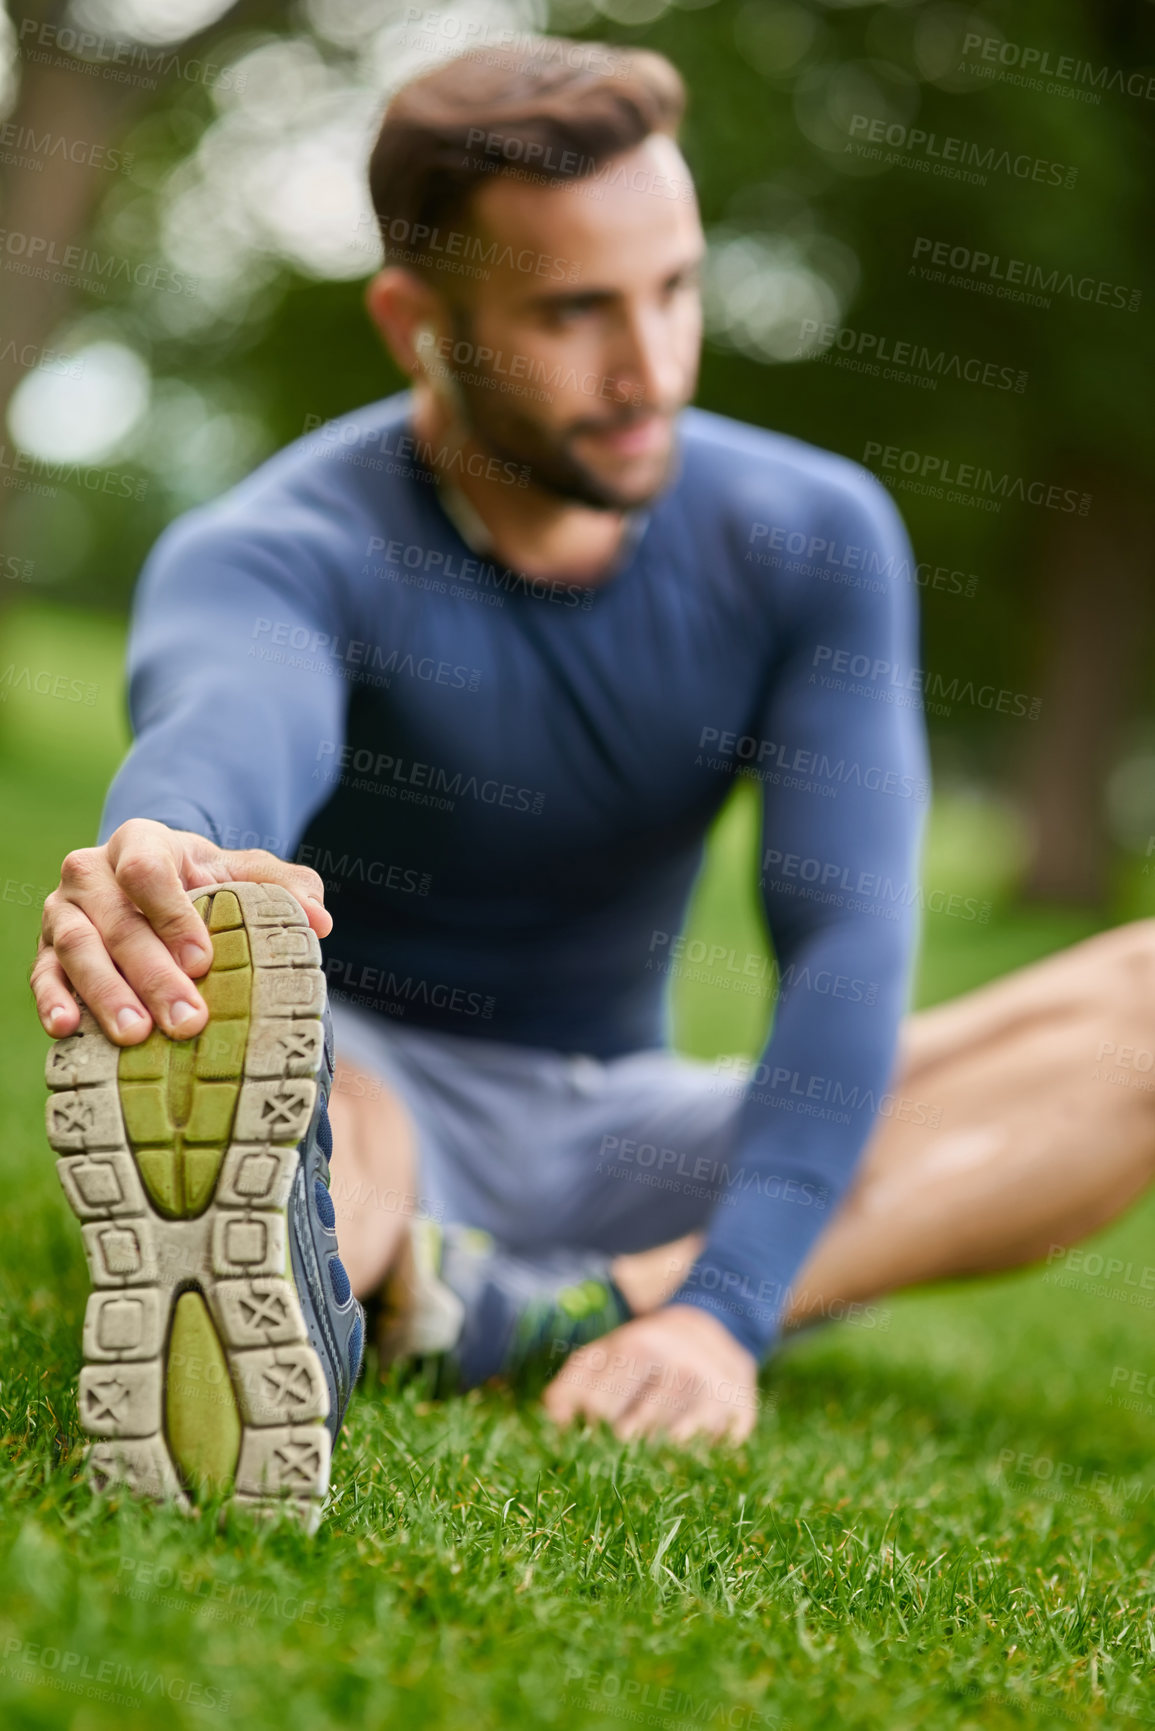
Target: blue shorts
(539,1147)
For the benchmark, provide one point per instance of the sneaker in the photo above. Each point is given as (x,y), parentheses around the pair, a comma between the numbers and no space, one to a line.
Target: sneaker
(222,1340)
(474,1309)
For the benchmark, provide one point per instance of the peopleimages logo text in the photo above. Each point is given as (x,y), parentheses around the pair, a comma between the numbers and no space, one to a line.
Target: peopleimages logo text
(970,479)
(376,772)
(879,679)
(1014,273)
(39,254)
(769,759)
(24,147)
(938,153)
(349,978)
(907,356)
(1039,63)
(81,1674)
(110,54)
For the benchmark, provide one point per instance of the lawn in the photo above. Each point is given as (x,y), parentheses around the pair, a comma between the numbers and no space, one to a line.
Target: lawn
(944,1520)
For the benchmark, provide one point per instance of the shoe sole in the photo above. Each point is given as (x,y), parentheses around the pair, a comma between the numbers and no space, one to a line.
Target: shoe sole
(178,1158)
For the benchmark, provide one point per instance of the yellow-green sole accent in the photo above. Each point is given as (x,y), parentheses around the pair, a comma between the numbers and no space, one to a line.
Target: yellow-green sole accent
(179,1097)
(202,1421)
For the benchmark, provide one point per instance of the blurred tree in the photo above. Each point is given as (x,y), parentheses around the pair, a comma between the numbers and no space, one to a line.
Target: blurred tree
(1063,607)
(62,99)
(54,204)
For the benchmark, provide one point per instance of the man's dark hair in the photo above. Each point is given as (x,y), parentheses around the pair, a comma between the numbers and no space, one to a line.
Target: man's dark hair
(548,111)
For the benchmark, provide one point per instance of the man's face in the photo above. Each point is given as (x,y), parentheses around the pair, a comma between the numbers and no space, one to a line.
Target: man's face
(577,350)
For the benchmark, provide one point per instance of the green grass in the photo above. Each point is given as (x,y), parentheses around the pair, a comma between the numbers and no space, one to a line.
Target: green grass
(861,1562)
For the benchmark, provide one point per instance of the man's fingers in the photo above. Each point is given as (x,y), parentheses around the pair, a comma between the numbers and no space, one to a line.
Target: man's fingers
(741,1424)
(717,1419)
(654,1409)
(253,865)
(161,875)
(125,934)
(642,1408)
(703,1419)
(675,1374)
(165,991)
(104,944)
(147,873)
(562,1399)
(657,1415)
(84,961)
(636,1421)
(591,1385)
(58,1010)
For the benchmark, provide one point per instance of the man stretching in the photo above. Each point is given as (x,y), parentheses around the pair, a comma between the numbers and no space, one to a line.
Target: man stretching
(490,655)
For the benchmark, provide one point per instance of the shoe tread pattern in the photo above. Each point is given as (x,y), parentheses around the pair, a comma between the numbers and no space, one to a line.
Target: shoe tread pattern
(178,1158)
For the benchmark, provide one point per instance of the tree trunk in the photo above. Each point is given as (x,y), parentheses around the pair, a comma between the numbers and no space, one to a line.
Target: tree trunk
(56,204)
(1093,611)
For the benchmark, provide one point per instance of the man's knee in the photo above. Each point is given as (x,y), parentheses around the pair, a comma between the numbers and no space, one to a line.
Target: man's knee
(1126,969)
(1122,1005)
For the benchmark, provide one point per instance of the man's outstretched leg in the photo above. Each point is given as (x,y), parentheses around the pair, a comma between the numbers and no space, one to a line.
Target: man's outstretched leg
(1027,1120)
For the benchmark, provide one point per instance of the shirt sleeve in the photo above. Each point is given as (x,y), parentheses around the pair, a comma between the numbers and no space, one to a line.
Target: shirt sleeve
(843,764)
(234,689)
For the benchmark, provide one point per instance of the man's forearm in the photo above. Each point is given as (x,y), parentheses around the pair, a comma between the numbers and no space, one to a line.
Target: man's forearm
(807,1112)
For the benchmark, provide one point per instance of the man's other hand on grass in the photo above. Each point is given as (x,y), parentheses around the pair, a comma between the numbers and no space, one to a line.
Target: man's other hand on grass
(677,1371)
(121,932)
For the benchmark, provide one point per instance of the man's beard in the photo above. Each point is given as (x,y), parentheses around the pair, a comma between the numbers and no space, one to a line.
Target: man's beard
(547,454)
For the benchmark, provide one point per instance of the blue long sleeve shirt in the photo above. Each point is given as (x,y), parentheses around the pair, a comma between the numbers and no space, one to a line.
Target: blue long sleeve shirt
(506,781)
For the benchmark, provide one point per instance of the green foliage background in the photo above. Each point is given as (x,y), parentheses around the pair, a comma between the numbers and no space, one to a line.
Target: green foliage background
(868,1558)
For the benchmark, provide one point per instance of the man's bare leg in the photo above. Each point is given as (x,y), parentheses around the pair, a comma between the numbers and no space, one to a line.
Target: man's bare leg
(1038,1107)
(372,1175)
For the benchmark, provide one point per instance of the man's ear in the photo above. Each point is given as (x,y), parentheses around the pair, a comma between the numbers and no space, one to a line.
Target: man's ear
(408,313)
